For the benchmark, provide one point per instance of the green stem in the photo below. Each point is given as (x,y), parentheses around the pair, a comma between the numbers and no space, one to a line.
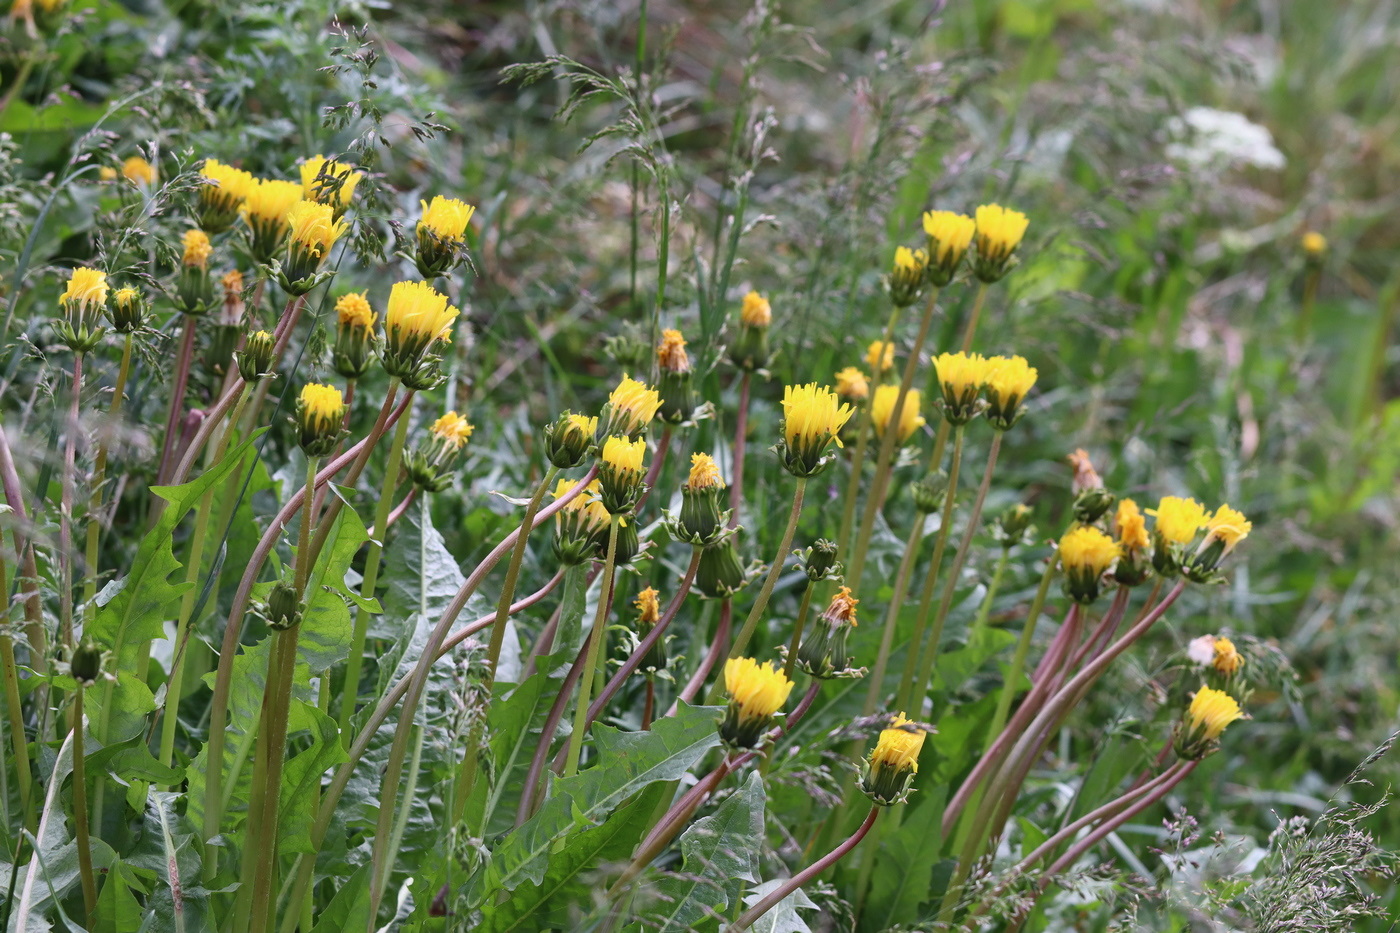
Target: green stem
(65,514)
(590,664)
(974,318)
(1011,685)
(99,475)
(14,712)
(80,813)
(985,611)
(848,513)
(906,682)
(901,585)
(466,781)
(883,471)
(959,561)
(350,692)
(798,626)
(741,641)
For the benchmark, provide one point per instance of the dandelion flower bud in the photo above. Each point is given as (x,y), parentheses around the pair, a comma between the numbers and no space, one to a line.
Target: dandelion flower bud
(1314,247)
(255,359)
(568,439)
(221,196)
(756,692)
(882,411)
(83,303)
(819,561)
(906,280)
(284,606)
(195,289)
(87,662)
(1009,380)
(312,231)
(320,413)
(648,614)
(1226,528)
(720,573)
(128,311)
(430,466)
(1013,526)
(621,473)
(228,325)
(812,420)
(960,378)
(1198,733)
(702,515)
(823,651)
(1134,565)
(749,349)
(580,523)
(327,181)
(852,385)
(266,203)
(674,384)
(889,771)
(879,356)
(355,345)
(138,171)
(441,235)
(928,492)
(417,319)
(1177,523)
(949,236)
(1086,554)
(630,408)
(999,233)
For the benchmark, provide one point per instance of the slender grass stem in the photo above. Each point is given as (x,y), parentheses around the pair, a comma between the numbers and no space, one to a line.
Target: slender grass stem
(901,585)
(984,612)
(99,477)
(595,643)
(350,692)
(863,432)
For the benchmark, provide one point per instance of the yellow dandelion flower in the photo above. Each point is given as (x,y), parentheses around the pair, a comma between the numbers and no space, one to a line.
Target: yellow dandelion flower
(197,249)
(756,311)
(704,473)
(1008,380)
(222,195)
(138,171)
(1227,660)
(446,218)
(106,172)
(352,310)
(1178,520)
(1211,711)
(880,356)
(999,232)
(960,378)
(416,317)
(631,406)
(882,409)
(949,236)
(812,419)
(623,454)
(851,384)
(893,763)
(670,353)
(452,429)
(313,227)
(327,180)
(87,287)
(1131,526)
(320,413)
(1086,553)
(269,200)
(756,691)
(1227,526)
(1314,244)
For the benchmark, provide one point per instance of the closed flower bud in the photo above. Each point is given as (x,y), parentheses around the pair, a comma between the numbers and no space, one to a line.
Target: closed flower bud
(417,320)
(1198,733)
(312,231)
(823,651)
(1225,529)
(702,517)
(327,181)
(284,606)
(960,379)
(430,466)
(1009,379)
(906,280)
(128,311)
(756,692)
(929,492)
(83,303)
(628,351)
(195,289)
(1086,554)
(889,772)
(621,473)
(1314,247)
(720,574)
(568,439)
(255,359)
(852,385)
(999,233)
(630,408)
(221,195)
(441,235)
(355,342)
(1013,526)
(882,408)
(1134,545)
(749,349)
(320,413)
(949,235)
(266,204)
(228,326)
(812,420)
(1178,521)
(87,662)
(628,547)
(674,382)
(579,524)
(819,561)
(1092,505)
(648,614)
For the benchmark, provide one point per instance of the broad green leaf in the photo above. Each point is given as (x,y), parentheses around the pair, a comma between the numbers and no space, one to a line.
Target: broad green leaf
(721,853)
(349,908)
(301,780)
(904,864)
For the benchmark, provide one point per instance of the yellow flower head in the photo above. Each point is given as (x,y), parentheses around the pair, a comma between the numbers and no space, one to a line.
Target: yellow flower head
(882,409)
(758,690)
(86,287)
(1178,520)
(880,356)
(648,608)
(320,178)
(1211,711)
(1227,660)
(906,279)
(1314,244)
(230,185)
(446,218)
(106,172)
(197,249)
(123,297)
(320,411)
(269,200)
(851,384)
(417,316)
(812,418)
(314,228)
(756,312)
(999,232)
(842,608)
(453,430)
(1089,549)
(960,377)
(910,261)
(1008,380)
(631,406)
(704,473)
(670,354)
(899,746)
(949,235)
(138,171)
(1227,526)
(585,505)
(1131,527)
(623,454)
(352,310)
(586,424)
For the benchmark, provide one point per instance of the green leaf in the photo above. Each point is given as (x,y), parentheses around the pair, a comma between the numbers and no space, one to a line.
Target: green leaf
(627,763)
(904,865)
(955,667)
(349,908)
(721,853)
(301,780)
